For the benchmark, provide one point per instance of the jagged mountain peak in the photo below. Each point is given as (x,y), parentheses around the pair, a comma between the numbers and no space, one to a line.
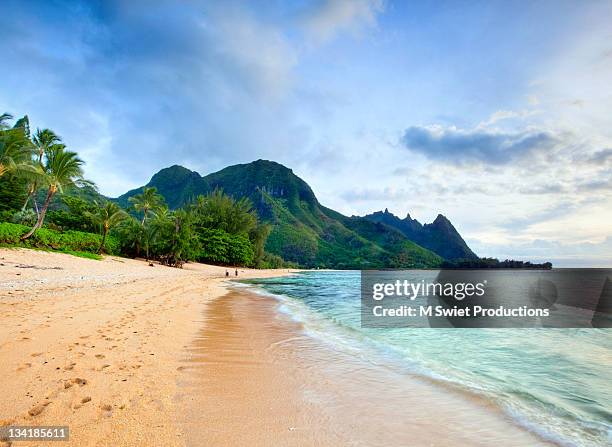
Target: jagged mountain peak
(441,220)
(440,236)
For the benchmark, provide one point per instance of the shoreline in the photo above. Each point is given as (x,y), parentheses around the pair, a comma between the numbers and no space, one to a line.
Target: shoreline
(127,354)
(281,386)
(96,345)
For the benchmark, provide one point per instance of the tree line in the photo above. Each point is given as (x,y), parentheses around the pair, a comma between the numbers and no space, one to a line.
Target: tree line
(43,190)
(494,263)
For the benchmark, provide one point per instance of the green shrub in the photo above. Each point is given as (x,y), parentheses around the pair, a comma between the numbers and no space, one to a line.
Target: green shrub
(6,215)
(240,250)
(271,261)
(214,246)
(25,217)
(69,241)
(72,218)
(45,238)
(10,233)
(82,254)
(112,245)
(219,247)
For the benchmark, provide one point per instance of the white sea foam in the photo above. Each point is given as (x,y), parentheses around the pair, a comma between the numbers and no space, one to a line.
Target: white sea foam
(329,329)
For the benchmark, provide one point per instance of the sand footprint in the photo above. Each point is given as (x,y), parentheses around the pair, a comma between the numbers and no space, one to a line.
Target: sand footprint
(79,381)
(37,409)
(107,410)
(23,366)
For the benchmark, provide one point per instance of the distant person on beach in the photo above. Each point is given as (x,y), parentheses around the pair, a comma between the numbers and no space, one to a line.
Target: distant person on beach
(226,273)
(236,272)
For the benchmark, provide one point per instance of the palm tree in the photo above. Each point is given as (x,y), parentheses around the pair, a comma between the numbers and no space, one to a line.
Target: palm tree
(175,240)
(147,201)
(45,141)
(131,236)
(62,169)
(108,215)
(10,152)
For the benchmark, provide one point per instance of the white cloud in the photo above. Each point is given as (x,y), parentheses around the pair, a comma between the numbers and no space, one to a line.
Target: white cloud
(501,115)
(260,53)
(449,144)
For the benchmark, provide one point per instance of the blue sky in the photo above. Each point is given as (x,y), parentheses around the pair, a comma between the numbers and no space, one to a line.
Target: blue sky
(496,114)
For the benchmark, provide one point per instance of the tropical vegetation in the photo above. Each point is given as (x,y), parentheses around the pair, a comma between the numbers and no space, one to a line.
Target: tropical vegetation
(46,203)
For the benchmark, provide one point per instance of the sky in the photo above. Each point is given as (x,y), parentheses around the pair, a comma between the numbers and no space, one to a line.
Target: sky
(496,114)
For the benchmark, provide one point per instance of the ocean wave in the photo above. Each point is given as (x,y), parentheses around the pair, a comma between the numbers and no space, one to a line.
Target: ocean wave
(551,423)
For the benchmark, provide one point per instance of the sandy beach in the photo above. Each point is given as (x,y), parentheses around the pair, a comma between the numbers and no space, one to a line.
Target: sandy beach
(128,354)
(97,345)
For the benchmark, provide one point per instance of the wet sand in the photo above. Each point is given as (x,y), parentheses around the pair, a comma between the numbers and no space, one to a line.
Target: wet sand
(98,345)
(253,377)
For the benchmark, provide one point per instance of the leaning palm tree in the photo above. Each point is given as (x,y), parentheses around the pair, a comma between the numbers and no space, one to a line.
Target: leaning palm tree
(44,141)
(62,169)
(108,215)
(147,201)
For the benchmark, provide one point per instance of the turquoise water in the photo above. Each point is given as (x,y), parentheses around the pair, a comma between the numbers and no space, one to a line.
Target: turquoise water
(555,382)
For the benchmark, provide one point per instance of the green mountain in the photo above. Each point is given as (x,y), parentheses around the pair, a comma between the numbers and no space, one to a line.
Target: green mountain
(303,230)
(177,184)
(441,237)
